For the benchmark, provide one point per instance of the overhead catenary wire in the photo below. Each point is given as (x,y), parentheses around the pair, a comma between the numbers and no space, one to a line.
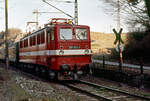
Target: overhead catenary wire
(58,9)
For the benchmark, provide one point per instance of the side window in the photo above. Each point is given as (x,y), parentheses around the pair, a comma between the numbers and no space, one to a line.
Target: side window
(30,41)
(34,40)
(52,35)
(21,44)
(24,43)
(48,36)
(38,39)
(42,37)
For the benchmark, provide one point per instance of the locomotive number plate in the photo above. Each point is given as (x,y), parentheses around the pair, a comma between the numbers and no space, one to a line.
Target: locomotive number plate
(74,47)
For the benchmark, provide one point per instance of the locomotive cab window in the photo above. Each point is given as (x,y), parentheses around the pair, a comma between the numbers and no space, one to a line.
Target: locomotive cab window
(52,34)
(81,34)
(66,34)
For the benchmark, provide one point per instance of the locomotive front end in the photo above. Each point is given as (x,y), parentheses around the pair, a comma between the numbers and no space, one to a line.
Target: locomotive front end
(74,51)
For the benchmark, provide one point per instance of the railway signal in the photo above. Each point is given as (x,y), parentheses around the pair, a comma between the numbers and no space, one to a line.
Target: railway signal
(119,41)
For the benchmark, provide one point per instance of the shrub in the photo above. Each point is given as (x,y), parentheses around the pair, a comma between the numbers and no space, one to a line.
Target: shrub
(137,46)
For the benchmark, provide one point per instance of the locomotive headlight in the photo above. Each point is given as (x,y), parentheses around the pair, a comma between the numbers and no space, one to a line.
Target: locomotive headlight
(61,47)
(61,52)
(86,51)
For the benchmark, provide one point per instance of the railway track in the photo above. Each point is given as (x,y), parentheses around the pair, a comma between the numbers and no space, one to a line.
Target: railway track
(102,93)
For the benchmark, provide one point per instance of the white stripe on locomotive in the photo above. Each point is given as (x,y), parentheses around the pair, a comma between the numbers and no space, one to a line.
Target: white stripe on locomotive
(55,52)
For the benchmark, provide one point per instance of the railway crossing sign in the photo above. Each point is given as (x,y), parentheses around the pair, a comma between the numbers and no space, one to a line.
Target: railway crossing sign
(119,47)
(118,36)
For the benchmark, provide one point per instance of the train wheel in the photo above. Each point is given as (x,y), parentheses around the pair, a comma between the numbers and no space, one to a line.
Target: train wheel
(28,67)
(52,75)
(37,70)
(43,71)
(23,67)
(32,68)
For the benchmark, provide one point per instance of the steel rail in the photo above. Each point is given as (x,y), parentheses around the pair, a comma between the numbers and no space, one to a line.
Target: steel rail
(100,98)
(115,90)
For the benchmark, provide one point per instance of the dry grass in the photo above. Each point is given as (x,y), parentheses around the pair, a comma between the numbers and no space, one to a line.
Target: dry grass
(103,42)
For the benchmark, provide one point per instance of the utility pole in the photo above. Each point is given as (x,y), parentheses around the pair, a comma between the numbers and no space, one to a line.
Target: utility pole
(6,35)
(76,12)
(118,16)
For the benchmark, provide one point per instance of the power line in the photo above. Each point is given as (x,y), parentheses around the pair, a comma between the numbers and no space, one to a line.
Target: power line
(58,9)
(75,9)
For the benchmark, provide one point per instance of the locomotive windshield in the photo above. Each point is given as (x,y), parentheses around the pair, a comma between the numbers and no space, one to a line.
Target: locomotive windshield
(66,34)
(81,34)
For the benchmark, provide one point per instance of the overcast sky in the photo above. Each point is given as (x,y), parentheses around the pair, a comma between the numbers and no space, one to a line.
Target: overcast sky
(91,13)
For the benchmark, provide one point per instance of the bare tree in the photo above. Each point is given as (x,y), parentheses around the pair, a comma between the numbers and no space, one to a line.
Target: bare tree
(135,13)
(12,32)
(12,35)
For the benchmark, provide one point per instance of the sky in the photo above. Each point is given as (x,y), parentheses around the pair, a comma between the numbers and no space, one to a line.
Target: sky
(91,13)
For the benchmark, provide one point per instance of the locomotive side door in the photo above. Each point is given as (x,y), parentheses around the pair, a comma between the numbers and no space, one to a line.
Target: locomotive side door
(51,47)
(50,39)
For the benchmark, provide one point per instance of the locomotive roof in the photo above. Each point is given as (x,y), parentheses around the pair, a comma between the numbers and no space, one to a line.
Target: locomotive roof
(32,33)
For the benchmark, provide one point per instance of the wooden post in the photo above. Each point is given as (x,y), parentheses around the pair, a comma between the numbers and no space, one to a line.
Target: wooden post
(103,61)
(6,35)
(141,65)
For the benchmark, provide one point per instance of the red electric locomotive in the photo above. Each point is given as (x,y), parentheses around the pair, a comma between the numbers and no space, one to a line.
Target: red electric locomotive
(60,49)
